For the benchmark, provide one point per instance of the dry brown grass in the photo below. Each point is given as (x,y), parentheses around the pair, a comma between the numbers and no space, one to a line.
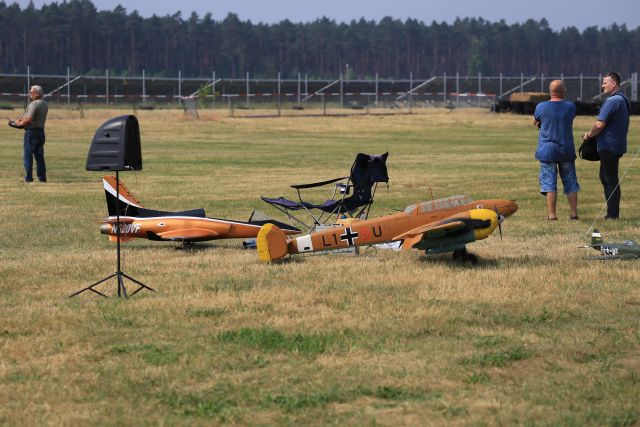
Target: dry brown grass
(536,334)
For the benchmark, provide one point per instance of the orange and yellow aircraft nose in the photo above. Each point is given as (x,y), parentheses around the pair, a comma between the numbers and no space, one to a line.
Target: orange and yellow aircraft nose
(487,215)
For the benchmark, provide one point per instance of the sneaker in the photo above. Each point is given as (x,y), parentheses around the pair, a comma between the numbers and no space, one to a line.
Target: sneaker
(574,218)
(28,180)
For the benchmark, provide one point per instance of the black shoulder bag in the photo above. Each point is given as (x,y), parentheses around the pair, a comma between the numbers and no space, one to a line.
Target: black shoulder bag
(589,149)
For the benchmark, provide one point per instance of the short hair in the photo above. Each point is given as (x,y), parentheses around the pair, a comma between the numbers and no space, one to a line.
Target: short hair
(614,76)
(38,89)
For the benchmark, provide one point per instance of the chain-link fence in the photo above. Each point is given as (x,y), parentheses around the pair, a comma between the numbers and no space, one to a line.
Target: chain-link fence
(143,91)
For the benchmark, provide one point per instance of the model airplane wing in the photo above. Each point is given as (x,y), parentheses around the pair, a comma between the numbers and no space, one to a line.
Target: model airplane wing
(429,231)
(608,257)
(432,230)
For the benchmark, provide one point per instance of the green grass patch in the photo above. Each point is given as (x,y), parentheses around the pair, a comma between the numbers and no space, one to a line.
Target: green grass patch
(208,312)
(272,340)
(215,402)
(499,359)
(152,354)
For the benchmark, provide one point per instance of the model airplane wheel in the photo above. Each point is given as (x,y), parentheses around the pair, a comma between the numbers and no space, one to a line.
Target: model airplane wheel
(472,259)
(185,246)
(463,256)
(370,251)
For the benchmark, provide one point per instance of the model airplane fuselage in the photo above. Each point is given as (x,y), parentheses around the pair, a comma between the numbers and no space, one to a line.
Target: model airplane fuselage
(443,225)
(625,250)
(135,221)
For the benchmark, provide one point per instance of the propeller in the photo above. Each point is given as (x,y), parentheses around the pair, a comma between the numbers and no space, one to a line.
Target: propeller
(500,219)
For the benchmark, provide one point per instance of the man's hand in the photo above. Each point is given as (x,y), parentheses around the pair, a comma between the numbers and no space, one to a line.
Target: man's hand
(23,121)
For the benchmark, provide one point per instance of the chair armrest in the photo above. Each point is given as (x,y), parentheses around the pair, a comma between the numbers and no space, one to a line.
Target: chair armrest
(317,184)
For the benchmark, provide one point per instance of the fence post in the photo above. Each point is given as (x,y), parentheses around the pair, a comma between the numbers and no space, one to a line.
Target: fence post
(445,89)
(213,90)
(299,88)
(341,92)
(278,102)
(179,85)
(521,82)
(106,96)
(247,98)
(410,92)
(479,89)
(541,82)
(457,89)
(581,87)
(144,88)
(634,87)
(68,88)
(500,91)
(377,90)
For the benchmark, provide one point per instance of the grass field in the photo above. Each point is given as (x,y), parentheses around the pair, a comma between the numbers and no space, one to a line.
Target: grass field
(537,334)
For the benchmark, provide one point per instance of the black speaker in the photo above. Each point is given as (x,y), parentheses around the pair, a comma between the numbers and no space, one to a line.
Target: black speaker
(116,146)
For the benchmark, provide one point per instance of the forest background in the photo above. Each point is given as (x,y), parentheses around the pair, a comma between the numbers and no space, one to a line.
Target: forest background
(75,34)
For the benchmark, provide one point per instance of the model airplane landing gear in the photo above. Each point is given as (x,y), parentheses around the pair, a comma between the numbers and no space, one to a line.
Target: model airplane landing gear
(185,246)
(463,256)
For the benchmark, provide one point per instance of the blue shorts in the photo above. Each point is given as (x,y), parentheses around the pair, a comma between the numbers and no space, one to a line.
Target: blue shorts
(549,177)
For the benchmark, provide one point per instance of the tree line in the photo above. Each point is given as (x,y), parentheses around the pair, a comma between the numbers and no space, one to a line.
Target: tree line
(75,34)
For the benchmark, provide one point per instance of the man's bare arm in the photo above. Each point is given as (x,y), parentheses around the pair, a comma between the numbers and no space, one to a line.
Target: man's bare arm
(595,130)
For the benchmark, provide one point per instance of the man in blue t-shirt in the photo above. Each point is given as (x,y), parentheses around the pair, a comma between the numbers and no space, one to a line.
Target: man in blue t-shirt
(610,130)
(556,151)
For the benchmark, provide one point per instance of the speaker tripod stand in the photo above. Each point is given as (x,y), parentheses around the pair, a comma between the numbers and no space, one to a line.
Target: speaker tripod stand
(119,274)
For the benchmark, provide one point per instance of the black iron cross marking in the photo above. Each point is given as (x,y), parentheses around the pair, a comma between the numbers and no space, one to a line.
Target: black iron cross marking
(349,236)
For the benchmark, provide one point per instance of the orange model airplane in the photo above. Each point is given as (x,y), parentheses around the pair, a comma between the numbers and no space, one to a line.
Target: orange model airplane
(437,226)
(185,226)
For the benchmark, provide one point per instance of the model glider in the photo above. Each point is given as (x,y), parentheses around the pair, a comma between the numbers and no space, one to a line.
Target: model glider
(437,226)
(185,226)
(628,249)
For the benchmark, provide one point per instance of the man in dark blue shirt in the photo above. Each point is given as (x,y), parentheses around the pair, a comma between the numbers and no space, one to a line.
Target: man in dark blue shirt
(610,130)
(556,150)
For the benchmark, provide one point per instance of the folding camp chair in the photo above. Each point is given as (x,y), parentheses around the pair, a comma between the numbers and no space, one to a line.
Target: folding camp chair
(351,198)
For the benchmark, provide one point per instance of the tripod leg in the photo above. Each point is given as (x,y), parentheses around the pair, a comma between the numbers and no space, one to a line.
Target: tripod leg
(90,288)
(142,285)
(122,291)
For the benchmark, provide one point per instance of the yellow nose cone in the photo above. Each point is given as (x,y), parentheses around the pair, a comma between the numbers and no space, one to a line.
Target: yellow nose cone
(484,215)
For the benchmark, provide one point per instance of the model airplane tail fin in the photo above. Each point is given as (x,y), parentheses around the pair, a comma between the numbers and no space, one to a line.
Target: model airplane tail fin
(596,238)
(271,243)
(127,199)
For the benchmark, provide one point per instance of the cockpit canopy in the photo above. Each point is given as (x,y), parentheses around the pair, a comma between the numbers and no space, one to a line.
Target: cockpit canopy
(444,203)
